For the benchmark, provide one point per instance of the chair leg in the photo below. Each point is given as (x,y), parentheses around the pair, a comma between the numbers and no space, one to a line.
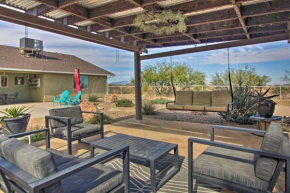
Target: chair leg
(69,146)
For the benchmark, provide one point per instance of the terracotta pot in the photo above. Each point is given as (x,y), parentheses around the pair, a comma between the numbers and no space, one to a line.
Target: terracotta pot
(266,111)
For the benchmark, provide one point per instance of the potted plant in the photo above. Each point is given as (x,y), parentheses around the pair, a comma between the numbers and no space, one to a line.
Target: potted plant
(15,120)
(265,104)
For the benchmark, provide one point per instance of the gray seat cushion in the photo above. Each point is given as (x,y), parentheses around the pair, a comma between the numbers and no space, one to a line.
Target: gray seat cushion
(78,129)
(34,161)
(272,142)
(95,179)
(229,165)
(60,157)
(73,112)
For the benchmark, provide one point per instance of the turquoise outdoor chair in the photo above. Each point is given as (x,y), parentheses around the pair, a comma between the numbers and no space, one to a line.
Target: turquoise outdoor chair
(62,99)
(75,99)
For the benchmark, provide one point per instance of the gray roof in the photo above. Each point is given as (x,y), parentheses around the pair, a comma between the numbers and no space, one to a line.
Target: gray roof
(49,62)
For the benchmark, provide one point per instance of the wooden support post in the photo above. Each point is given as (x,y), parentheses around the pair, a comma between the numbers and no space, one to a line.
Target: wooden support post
(138,93)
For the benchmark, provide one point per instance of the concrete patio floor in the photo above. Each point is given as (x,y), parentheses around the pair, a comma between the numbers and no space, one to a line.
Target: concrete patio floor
(167,131)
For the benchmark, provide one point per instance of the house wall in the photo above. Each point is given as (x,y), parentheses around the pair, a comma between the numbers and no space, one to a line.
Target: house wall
(55,84)
(52,85)
(26,94)
(37,94)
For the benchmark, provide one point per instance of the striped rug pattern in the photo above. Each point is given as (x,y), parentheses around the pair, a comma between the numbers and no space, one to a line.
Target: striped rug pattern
(140,175)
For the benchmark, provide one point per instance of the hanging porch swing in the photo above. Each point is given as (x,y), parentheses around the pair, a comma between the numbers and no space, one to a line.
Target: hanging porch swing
(204,101)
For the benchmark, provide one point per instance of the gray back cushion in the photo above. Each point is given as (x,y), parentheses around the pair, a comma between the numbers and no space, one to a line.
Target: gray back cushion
(272,142)
(38,163)
(183,98)
(73,112)
(2,139)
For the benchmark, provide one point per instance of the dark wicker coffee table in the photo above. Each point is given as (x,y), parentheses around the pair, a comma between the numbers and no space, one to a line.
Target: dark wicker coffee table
(142,149)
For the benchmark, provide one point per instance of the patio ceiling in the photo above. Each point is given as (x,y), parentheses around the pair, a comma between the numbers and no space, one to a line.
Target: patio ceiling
(209,21)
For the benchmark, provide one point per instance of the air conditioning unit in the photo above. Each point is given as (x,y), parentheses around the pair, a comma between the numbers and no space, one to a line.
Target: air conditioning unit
(33,45)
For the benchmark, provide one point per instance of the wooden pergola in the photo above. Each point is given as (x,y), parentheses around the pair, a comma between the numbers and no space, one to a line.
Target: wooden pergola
(110,22)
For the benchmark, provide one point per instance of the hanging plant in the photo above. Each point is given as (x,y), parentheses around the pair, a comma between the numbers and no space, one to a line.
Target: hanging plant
(165,22)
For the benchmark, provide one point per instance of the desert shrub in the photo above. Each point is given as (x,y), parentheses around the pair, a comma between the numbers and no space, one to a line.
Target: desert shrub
(37,136)
(96,120)
(93,98)
(159,101)
(124,103)
(244,107)
(148,108)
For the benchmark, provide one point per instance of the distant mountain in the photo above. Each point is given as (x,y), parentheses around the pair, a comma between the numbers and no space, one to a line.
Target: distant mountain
(120,83)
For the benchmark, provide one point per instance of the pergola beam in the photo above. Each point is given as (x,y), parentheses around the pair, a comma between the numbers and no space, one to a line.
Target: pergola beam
(237,8)
(38,23)
(65,3)
(259,40)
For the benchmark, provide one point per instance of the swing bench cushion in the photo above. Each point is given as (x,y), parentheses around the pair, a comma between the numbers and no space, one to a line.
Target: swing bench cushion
(183,98)
(219,101)
(212,101)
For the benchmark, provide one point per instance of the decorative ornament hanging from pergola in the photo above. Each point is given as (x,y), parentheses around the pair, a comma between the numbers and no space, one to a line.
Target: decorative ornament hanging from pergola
(165,22)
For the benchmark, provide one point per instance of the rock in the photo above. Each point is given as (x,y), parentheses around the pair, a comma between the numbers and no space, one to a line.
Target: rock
(87,106)
(110,98)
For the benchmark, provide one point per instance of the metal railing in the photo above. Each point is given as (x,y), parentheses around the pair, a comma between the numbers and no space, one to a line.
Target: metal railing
(166,91)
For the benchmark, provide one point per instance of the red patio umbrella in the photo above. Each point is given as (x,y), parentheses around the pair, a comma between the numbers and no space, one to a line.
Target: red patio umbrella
(77,80)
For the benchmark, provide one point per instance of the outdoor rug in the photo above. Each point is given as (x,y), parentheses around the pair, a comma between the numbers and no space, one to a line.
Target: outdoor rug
(140,175)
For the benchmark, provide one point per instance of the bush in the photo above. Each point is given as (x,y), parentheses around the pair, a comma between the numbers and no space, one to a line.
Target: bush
(244,107)
(96,120)
(37,136)
(93,98)
(148,108)
(159,101)
(124,103)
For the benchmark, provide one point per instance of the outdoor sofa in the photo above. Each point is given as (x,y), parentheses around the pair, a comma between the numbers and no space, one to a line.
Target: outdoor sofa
(67,123)
(238,168)
(26,168)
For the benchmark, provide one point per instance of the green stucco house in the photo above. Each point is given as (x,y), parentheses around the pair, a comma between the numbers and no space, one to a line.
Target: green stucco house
(40,76)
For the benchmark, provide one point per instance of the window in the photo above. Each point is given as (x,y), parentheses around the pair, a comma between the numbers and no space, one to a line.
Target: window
(4,81)
(84,82)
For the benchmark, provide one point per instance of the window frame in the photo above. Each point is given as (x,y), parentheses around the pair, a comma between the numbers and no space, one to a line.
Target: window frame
(73,81)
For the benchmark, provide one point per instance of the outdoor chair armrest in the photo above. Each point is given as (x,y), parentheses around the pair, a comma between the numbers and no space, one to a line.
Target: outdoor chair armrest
(64,120)
(93,112)
(52,179)
(235,147)
(46,130)
(247,130)
(28,133)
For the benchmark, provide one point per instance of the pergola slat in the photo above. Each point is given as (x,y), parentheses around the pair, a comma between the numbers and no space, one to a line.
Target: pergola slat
(35,22)
(258,40)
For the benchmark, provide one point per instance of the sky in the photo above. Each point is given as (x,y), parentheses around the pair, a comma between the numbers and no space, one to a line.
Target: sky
(271,59)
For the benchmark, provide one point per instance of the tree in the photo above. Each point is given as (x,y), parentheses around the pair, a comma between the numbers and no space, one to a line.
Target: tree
(243,104)
(159,75)
(286,77)
(245,76)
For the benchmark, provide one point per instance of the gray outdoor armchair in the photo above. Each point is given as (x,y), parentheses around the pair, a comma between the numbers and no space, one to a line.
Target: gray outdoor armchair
(67,123)
(26,168)
(239,168)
